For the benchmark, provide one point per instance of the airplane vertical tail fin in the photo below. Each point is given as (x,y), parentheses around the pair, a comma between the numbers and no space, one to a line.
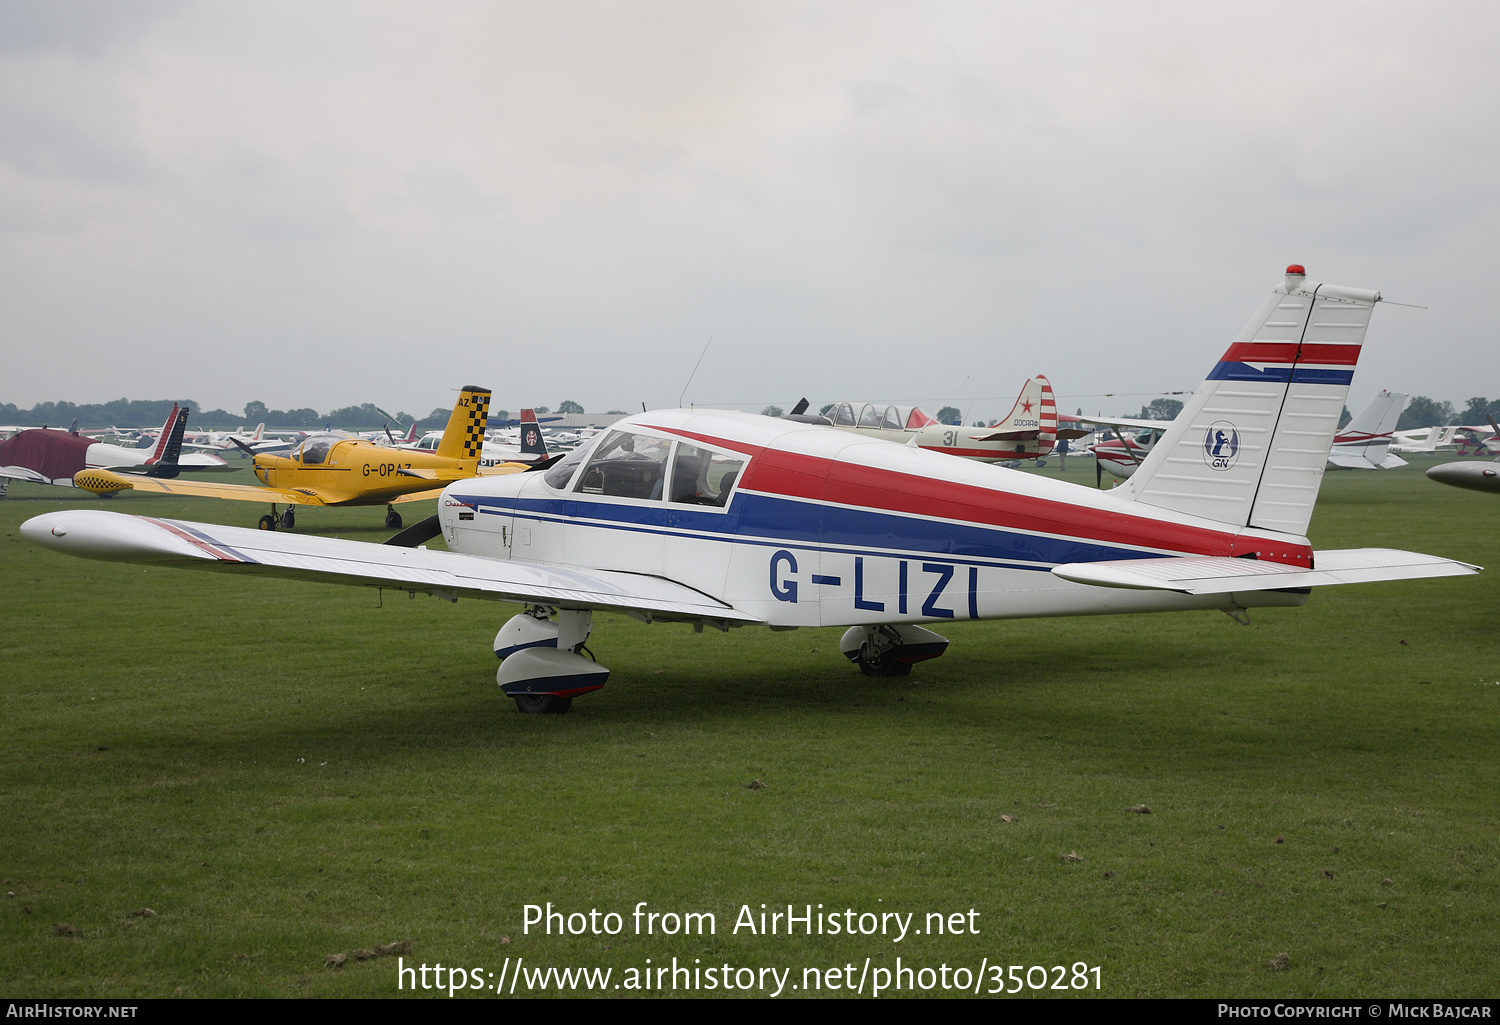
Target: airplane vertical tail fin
(532,443)
(165,450)
(463,438)
(163,461)
(1365,443)
(1251,446)
(1047,427)
(1026,415)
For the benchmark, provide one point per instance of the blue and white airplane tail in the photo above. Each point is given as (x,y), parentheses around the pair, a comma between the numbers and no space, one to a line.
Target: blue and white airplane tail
(1251,446)
(163,461)
(1365,444)
(533,447)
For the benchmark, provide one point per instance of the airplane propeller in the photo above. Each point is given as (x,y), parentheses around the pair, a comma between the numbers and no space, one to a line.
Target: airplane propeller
(245,448)
(417,533)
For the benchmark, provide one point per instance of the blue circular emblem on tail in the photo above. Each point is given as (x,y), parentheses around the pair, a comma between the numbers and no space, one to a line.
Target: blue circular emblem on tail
(1221,445)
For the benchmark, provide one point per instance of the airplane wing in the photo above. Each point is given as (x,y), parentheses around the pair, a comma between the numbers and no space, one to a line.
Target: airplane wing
(108,482)
(1222,574)
(1152,425)
(119,537)
(449,476)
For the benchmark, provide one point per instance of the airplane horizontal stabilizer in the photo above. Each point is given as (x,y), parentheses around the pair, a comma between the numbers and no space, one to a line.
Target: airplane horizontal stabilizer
(119,537)
(1222,574)
(1352,461)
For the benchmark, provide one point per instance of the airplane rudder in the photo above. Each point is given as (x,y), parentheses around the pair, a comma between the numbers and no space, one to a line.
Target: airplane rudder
(463,438)
(174,443)
(1046,418)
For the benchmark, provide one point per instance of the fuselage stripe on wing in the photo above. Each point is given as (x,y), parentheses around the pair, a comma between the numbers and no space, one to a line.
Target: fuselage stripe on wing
(201,540)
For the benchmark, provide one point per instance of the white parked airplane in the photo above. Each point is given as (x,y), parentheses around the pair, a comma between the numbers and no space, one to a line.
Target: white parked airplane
(1029,431)
(733,519)
(530,446)
(1365,443)
(54,457)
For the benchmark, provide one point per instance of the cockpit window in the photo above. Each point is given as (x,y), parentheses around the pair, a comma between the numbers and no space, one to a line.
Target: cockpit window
(844,415)
(560,472)
(315,449)
(626,465)
(892,419)
(702,476)
(869,416)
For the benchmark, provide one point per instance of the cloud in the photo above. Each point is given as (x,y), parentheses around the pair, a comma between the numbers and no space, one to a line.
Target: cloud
(854,200)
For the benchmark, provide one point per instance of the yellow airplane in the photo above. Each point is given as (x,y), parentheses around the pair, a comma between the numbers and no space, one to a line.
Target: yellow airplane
(329,469)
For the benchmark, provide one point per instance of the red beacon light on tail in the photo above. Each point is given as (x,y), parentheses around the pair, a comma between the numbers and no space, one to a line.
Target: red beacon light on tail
(1296,270)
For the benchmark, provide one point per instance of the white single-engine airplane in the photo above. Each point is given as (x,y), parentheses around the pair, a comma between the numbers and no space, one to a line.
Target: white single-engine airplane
(1365,444)
(733,519)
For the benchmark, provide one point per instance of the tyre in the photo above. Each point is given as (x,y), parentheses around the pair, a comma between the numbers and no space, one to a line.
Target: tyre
(884,666)
(392,519)
(542,704)
(268,522)
(288,518)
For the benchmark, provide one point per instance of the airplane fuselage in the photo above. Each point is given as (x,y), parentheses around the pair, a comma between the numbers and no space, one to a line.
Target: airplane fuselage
(822,528)
(352,471)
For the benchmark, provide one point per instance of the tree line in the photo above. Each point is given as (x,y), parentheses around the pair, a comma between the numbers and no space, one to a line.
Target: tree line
(153,413)
(1420,412)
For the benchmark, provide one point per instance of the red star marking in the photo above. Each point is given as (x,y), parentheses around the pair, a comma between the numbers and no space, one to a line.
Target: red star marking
(1026,407)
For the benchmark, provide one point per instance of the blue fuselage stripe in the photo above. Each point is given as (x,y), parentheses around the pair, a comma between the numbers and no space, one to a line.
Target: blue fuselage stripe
(766,520)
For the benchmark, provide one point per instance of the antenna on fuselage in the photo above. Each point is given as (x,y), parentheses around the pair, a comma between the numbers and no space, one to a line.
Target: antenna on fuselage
(690,376)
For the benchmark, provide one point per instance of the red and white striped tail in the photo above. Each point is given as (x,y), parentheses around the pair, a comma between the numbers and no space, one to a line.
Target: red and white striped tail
(1047,421)
(169,442)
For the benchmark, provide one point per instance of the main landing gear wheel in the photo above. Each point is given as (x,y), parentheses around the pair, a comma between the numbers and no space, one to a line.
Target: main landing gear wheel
(543,704)
(268,522)
(890,650)
(392,517)
(885,665)
(288,518)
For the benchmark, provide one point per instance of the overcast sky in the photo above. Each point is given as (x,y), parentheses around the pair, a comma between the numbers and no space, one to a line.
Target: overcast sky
(325,204)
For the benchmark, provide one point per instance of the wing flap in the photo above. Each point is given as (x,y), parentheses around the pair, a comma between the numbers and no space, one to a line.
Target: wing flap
(1222,575)
(123,538)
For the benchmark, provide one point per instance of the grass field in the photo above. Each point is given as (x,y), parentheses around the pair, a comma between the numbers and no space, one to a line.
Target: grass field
(284,771)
